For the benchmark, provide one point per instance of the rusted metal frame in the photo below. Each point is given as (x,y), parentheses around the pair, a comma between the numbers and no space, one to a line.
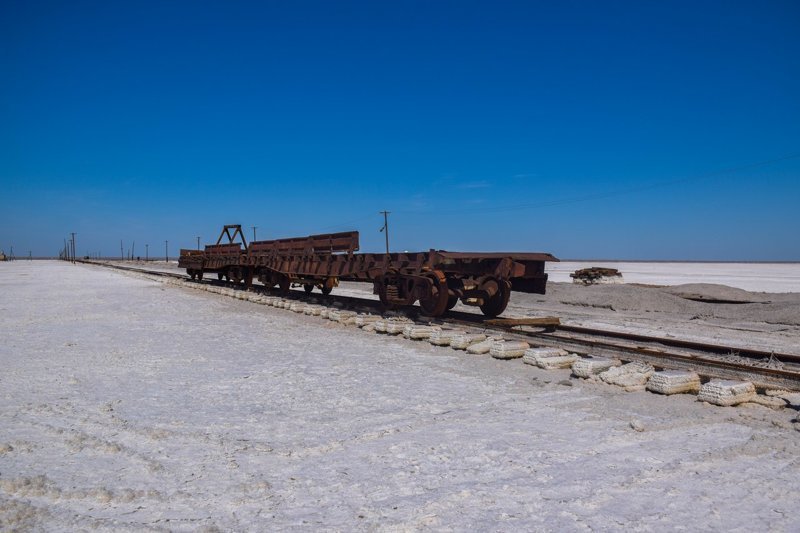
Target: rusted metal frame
(410,287)
(237,230)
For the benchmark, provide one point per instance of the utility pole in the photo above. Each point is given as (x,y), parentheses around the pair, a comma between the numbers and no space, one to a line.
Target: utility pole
(73,247)
(198,242)
(146,252)
(166,251)
(121,251)
(254,232)
(385,228)
(133,250)
(66,255)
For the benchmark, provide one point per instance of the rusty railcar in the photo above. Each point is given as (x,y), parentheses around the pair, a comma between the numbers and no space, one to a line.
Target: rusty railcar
(436,279)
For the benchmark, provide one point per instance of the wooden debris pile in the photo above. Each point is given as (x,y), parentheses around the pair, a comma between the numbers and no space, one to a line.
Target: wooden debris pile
(595,275)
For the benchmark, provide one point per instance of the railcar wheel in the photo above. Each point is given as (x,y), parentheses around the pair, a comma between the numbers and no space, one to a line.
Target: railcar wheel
(436,305)
(451,302)
(384,298)
(308,287)
(199,275)
(220,275)
(327,287)
(284,285)
(495,305)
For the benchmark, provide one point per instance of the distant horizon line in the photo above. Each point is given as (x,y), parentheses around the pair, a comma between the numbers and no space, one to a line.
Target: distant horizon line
(568,260)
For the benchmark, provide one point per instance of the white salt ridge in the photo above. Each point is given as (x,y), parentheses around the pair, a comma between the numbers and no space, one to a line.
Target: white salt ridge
(462,342)
(395,326)
(363,320)
(483,347)
(588,367)
(554,363)
(674,382)
(532,355)
(726,392)
(443,337)
(508,349)
(631,377)
(416,332)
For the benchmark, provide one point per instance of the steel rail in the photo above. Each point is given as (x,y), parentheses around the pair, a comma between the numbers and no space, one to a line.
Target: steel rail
(700,357)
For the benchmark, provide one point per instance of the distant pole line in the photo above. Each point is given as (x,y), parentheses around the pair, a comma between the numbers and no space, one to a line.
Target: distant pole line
(385,228)
(166,251)
(254,232)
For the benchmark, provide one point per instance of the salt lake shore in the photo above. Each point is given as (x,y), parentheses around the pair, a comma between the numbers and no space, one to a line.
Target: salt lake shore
(130,405)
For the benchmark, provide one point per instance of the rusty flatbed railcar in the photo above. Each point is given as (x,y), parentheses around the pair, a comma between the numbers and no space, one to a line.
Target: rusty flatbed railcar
(437,279)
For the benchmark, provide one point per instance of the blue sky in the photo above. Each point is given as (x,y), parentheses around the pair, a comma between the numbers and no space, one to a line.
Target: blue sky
(631,130)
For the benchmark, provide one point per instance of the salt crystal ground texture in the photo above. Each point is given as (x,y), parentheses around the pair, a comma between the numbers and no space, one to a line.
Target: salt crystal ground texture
(128,405)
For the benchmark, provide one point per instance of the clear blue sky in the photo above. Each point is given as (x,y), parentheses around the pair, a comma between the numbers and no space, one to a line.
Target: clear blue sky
(584,129)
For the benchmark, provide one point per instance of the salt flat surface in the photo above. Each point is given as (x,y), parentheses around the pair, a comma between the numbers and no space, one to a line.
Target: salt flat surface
(758,277)
(129,405)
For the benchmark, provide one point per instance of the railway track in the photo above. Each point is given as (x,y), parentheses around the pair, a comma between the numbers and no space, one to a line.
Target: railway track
(766,370)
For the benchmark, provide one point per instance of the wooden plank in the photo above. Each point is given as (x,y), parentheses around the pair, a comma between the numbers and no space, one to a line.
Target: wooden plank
(548,321)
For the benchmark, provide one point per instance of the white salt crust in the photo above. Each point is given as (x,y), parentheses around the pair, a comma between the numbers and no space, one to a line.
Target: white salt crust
(674,382)
(725,392)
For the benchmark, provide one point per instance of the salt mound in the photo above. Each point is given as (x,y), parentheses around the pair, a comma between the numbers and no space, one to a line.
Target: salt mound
(591,366)
(483,347)
(631,377)
(508,349)
(711,292)
(396,325)
(416,332)
(724,392)
(461,342)
(532,355)
(674,382)
(443,337)
(363,320)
